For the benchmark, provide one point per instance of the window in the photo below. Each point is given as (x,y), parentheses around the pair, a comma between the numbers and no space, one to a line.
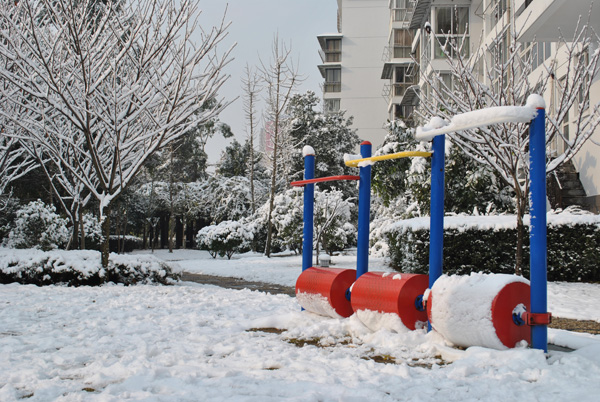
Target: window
(583,96)
(447,81)
(402,43)
(565,127)
(400,10)
(402,80)
(403,112)
(451,31)
(498,11)
(333,80)
(331,105)
(538,52)
(333,50)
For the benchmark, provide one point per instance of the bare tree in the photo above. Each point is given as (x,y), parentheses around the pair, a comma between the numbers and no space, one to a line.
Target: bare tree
(281,78)
(251,88)
(14,164)
(506,80)
(112,88)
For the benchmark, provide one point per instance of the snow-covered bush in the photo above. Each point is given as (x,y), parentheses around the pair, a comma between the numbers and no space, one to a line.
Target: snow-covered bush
(287,218)
(333,230)
(81,268)
(225,239)
(487,244)
(38,226)
(92,231)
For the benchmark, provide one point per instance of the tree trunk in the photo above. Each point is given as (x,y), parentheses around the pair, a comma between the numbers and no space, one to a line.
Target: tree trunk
(82,230)
(171,231)
(74,243)
(272,198)
(520,235)
(124,231)
(106,232)
(145,236)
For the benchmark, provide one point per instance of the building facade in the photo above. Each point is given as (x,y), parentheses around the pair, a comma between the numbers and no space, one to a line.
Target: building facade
(415,48)
(351,66)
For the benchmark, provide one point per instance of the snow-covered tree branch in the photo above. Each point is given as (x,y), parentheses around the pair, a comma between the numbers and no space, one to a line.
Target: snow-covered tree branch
(109,83)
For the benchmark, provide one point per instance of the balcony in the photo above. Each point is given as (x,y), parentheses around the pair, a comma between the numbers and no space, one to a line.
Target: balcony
(397,92)
(541,22)
(331,86)
(330,56)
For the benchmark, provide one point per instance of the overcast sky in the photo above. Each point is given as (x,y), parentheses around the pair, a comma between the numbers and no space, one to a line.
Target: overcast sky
(253,26)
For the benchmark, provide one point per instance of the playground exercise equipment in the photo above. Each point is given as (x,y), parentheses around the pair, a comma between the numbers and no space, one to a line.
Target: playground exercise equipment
(495,311)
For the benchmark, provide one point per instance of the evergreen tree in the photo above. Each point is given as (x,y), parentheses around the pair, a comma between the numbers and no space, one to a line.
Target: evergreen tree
(468,184)
(330,135)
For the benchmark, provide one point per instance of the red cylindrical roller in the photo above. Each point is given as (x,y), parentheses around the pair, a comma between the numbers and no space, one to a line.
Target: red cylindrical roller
(477,310)
(323,291)
(503,305)
(384,292)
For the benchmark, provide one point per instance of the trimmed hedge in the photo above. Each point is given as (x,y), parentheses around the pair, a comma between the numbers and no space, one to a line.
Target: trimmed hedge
(489,246)
(81,268)
(131,243)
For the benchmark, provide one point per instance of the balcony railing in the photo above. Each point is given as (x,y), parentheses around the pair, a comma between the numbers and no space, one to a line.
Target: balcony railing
(393,90)
(396,52)
(332,87)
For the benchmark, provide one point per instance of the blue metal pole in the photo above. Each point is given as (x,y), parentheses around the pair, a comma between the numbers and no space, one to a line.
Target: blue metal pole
(309,209)
(364,210)
(537,234)
(436,226)
(436,223)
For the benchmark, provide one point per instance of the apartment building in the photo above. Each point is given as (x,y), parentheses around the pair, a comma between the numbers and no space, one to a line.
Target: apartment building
(413,48)
(351,66)
(480,24)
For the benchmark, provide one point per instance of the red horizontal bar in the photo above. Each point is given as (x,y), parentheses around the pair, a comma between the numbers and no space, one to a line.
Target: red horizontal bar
(322,179)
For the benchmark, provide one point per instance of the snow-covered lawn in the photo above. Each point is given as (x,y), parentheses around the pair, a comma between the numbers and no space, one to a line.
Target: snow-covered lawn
(192,342)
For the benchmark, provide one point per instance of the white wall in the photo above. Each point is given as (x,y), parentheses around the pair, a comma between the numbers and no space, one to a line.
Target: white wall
(365,26)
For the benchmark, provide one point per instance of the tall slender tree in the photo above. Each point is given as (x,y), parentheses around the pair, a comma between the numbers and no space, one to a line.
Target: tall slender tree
(251,88)
(281,79)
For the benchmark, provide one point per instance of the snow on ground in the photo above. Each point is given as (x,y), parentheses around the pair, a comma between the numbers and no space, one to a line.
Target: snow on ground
(193,342)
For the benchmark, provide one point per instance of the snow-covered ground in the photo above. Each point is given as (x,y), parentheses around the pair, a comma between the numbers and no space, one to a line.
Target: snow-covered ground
(193,342)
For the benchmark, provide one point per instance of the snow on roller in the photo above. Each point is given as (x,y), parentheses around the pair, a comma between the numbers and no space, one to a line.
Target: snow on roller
(323,291)
(477,310)
(383,300)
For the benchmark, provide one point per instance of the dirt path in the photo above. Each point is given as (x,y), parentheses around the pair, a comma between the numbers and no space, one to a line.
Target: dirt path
(238,283)
(591,327)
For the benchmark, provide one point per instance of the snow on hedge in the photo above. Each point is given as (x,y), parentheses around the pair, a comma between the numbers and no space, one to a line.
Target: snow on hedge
(491,222)
(80,268)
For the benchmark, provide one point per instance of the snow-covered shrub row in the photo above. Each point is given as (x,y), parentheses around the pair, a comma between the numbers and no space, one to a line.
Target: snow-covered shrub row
(37,225)
(78,268)
(487,244)
(225,239)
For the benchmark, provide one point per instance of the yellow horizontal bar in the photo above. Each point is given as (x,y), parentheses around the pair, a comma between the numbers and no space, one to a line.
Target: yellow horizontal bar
(397,155)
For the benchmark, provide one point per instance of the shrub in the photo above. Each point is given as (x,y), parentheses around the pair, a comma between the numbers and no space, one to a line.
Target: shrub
(78,268)
(38,226)
(93,232)
(487,244)
(225,239)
